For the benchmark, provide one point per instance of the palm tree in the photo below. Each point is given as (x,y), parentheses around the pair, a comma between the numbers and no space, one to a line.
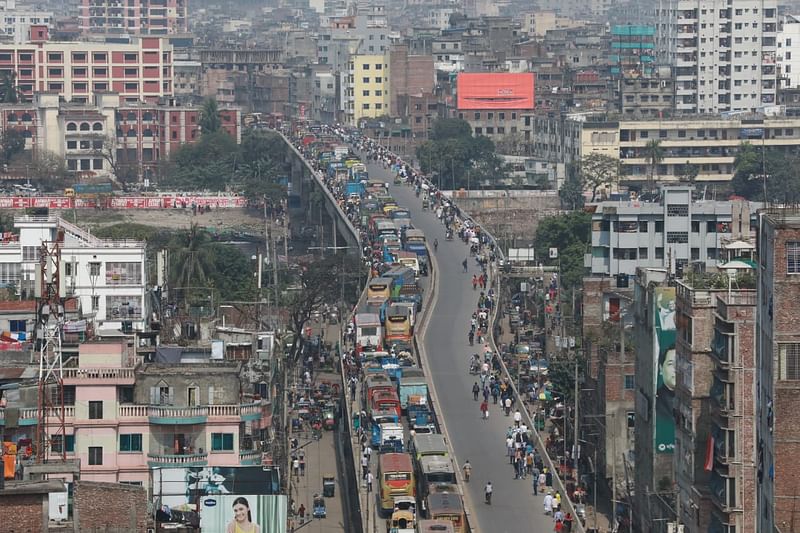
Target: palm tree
(193,261)
(209,117)
(654,154)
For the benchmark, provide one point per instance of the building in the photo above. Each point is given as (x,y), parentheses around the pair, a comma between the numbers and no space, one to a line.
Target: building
(15,23)
(137,17)
(723,53)
(714,433)
(139,71)
(412,76)
(368,92)
(707,146)
(650,96)
(778,355)
(789,51)
(669,234)
(494,104)
(632,50)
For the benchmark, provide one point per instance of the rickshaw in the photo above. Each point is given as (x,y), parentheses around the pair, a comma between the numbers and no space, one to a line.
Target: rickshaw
(328,418)
(426,203)
(398,180)
(319,507)
(328,485)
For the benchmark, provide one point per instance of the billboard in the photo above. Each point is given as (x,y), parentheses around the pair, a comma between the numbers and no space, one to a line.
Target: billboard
(665,376)
(229,512)
(499,90)
(177,487)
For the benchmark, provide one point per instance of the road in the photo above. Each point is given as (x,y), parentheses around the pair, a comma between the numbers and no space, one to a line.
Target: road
(514,509)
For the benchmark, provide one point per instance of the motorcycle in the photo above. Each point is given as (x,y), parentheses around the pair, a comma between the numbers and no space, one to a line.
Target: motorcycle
(474,368)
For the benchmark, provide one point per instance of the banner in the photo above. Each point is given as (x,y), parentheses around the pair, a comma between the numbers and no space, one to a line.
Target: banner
(219,514)
(665,378)
(122,202)
(185,486)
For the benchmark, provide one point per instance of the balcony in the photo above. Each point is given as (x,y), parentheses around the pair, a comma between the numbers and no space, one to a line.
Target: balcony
(249,457)
(29,416)
(183,460)
(177,415)
(167,415)
(99,376)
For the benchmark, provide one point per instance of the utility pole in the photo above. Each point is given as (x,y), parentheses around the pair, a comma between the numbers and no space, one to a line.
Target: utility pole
(577,426)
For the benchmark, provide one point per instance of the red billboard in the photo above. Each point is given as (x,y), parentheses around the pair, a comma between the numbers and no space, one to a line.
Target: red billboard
(497,90)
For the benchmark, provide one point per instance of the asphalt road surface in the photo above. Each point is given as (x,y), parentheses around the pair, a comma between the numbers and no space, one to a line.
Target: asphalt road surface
(514,508)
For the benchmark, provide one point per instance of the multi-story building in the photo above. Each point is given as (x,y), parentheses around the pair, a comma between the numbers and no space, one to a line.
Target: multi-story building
(723,53)
(789,51)
(15,23)
(649,96)
(123,419)
(714,416)
(778,380)
(412,75)
(707,146)
(107,276)
(139,71)
(669,233)
(368,92)
(138,17)
(494,104)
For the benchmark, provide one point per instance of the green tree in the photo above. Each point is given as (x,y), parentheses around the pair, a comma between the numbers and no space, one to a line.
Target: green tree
(210,121)
(654,154)
(598,170)
(191,260)
(689,173)
(779,166)
(450,128)
(571,192)
(12,143)
(570,233)
(9,91)
(206,164)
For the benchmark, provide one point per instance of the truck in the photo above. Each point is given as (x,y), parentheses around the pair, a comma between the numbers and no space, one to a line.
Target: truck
(380,417)
(354,188)
(391,438)
(88,189)
(411,386)
(414,241)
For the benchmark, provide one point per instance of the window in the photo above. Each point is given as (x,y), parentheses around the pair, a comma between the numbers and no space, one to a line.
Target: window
(17,326)
(659,226)
(659,253)
(677,210)
(56,441)
(677,237)
(95,455)
(378,66)
(54,56)
(643,226)
(789,361)
(711,227)
(793,257)
(695,254)
(365,80)
(95,410)
(130,443)
(364,106)
(130,57)
(630,381)
(642,253)
(99,56)
(379,80)
(222,442)
(695,226)
(95,302)
(364,93)
(97,164)
(366,66)
(193,396)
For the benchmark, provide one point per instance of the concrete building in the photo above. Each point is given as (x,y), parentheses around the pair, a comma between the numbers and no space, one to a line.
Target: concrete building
(789,51)
(670,233)
(107,276)
(494,104)
(714,416)
(15,23)
(724,54)
(138,71)
(412,75)
(137,17)
(778,355)
(368,92)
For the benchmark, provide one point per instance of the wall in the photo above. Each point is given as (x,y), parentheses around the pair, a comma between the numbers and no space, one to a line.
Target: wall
(22,513)
(109,507)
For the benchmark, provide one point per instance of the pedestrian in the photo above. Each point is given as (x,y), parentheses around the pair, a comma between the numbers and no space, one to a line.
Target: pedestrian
(302,465)
(548,504)
(301,512)
(369,481)
(517,417)
(368,453)
(485,410)
(296,467)
(557,501)
(548,477)
(535,474)
(568,523)
(559,526)
(542,482)
(464,264)
(364,466)
(474,282)
(475,390)
(558,516)
(507,405)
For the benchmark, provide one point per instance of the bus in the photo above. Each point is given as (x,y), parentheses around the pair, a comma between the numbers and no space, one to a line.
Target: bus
(385,401)
(447,506)
(396,478)
(385,227)
(408,259)
(432,471)
(428,444)
(435,526)
(415,242)
(377,418)
(377,383)
(398,324)
(379,290)
(368,330)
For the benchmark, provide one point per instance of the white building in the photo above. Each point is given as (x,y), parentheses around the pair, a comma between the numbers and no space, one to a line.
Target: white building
(107,276)
(724,53)
(16,23)
(789,50)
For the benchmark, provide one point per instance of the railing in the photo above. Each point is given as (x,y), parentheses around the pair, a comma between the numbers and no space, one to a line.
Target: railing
(177,412)
(29,413)
(166,411)
(99,373)
(250,456)
(177,459)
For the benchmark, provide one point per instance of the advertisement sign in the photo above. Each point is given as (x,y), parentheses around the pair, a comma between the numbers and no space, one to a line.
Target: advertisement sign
(230,513)
(665,378)
(498,90)
(186,486)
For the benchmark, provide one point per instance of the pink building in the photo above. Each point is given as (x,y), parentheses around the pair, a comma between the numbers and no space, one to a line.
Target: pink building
(124,420)
(138,17)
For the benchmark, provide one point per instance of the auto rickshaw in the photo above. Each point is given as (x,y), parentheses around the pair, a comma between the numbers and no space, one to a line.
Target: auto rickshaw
(328,418)
(328,486)
(319,507)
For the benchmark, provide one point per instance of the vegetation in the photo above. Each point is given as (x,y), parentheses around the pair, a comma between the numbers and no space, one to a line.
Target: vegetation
(752,163)
(598,170)
(456,157)
(654,154)
(571,193)
(9,92)
(210,121)
(570,233)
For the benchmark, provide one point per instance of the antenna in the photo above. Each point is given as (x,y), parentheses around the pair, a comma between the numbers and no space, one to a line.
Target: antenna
(49,329)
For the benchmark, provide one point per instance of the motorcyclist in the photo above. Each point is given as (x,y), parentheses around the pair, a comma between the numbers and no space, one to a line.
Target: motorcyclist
(467,471)
(487,491)
(475,390)
(435,244)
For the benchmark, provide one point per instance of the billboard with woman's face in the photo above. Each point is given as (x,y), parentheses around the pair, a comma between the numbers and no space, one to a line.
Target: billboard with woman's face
(665,368)
(251,513)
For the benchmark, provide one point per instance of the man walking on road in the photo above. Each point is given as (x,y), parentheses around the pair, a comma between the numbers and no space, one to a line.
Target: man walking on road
(464,264)
(369,481)
(517,418)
